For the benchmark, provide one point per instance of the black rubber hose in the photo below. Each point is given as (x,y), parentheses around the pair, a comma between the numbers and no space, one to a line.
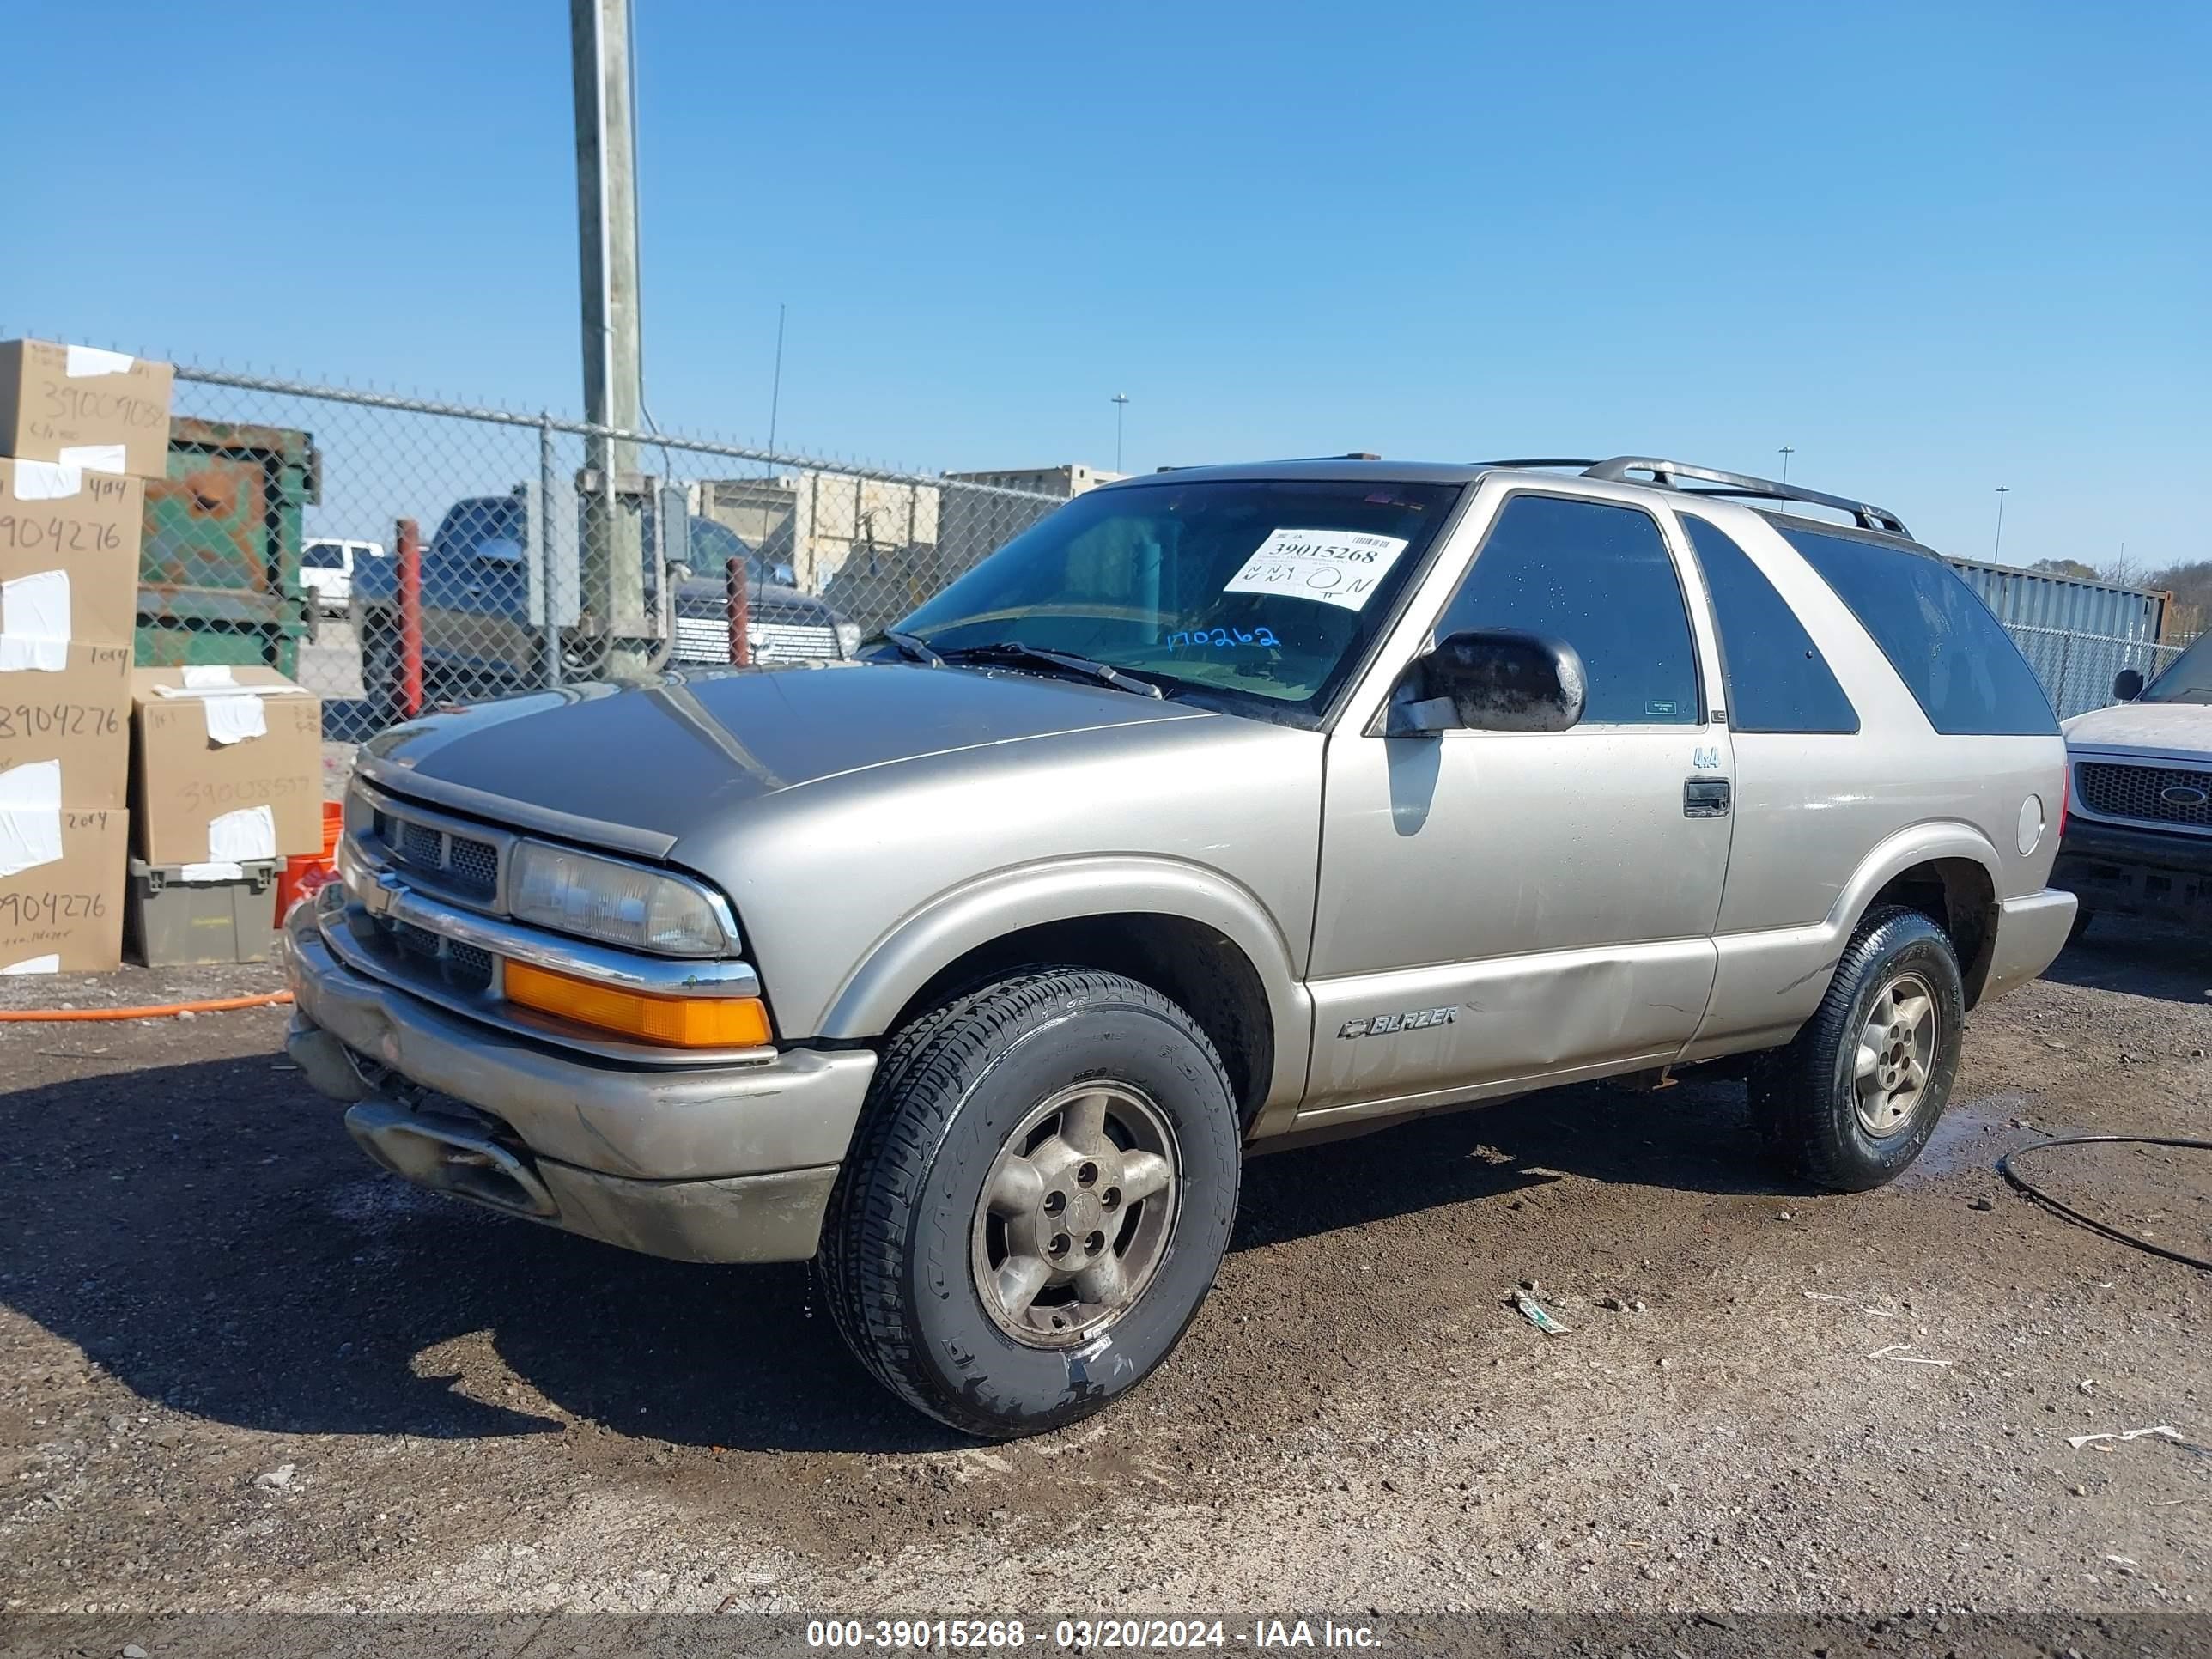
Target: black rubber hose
(2030,1190)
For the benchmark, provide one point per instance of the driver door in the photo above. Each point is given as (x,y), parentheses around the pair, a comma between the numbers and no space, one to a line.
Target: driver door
(1497,908)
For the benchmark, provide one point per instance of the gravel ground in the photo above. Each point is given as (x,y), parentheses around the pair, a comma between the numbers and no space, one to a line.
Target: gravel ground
(241,1369)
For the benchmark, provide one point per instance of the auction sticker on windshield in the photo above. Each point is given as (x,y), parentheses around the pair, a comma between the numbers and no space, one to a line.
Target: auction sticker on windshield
(1337,567)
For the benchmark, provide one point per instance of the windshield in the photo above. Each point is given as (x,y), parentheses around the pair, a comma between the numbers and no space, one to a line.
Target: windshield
(2188,677)
(1262,592)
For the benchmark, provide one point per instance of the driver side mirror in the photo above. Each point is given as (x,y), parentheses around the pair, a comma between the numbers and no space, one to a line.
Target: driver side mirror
(1490,680)
(2128,684)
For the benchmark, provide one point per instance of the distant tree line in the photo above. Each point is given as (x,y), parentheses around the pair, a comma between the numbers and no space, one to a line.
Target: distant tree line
(2190,584)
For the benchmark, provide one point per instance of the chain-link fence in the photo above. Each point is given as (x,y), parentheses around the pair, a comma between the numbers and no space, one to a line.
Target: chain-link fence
(549,549)
(2078,669)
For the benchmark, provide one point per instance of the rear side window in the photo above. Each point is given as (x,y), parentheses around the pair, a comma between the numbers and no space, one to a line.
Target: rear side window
(1599,577)
(1967,674)
(1776,678)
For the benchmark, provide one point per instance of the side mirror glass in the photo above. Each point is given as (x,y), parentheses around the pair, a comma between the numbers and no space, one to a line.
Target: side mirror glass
(1496,680)
(783,576)
(499,549)
(2128,684)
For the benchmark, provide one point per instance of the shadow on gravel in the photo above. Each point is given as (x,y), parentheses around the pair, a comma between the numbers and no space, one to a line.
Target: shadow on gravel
(207,1234)
(1695,1136)
(2119,953)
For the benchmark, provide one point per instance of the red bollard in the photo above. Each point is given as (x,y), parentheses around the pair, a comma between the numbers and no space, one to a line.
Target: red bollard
(741,640)
(409,540)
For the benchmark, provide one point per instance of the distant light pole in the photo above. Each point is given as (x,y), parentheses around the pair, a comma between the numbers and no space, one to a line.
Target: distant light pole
(2004,490)
(1120,404)
(1786,452)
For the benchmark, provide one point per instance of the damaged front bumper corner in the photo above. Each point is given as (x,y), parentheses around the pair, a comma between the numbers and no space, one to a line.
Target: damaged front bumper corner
(720,1164)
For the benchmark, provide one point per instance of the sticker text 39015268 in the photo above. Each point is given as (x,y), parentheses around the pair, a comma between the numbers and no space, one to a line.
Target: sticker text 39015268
(1341,568)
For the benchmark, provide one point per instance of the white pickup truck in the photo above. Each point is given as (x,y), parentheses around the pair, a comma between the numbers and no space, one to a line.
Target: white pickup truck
(2138,836)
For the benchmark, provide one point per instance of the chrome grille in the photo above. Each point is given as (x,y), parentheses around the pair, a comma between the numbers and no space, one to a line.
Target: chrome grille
(2149,795)
(463,865)
(706,640)
(463,967)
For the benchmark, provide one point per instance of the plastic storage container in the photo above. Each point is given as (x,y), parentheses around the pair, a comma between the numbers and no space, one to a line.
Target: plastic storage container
(169,921)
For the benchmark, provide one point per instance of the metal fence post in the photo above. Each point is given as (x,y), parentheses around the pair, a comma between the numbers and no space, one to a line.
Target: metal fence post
(549,644)
(741,643)
(410,541)
(2065,663)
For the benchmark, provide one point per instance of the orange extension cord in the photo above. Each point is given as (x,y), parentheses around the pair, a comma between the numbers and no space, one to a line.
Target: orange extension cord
(153,1011)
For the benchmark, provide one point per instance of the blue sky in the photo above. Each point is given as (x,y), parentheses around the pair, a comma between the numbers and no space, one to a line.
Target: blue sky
(1936,247)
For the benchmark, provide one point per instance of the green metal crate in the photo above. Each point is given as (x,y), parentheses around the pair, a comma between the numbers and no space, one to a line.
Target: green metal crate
(219,565)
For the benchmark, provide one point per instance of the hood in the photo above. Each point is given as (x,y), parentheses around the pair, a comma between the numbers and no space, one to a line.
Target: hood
(2180,730)
(637,767)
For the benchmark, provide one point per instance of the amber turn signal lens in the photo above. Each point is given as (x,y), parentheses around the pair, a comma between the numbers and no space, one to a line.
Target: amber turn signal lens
(676,1022)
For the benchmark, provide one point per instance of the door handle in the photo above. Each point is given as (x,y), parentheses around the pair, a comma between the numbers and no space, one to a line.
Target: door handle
(1706,798)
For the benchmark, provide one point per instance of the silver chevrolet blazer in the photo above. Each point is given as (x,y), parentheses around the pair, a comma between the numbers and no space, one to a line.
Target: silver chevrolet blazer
(1226,807)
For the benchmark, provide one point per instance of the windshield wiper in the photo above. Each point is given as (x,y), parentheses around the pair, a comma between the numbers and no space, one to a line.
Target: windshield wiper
(1010,651)
(912,647)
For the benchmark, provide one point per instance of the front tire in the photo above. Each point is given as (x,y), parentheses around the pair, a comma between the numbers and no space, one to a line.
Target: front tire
(1039,1195)
(1851,1101)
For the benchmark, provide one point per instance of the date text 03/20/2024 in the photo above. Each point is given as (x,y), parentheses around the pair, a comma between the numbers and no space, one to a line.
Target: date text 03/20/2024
(1083,1635)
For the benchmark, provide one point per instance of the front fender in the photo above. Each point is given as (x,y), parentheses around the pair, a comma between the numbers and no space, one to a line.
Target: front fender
(929,940)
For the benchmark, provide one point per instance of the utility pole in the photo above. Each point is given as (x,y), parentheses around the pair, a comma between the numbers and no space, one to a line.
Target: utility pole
(1120,404)
(2004,490)
(613,544)
(1786,452)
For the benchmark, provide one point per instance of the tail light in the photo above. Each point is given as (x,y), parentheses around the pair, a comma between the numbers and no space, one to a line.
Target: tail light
(2065,796)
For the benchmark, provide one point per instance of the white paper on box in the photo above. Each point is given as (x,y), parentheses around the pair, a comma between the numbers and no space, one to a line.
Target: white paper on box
(47,964)
(207,674)
(81,362)
(1342,568)
(47,481)
(94,458)
(234,719)
(243,836)
(34,621)
(210,872)
(31,817)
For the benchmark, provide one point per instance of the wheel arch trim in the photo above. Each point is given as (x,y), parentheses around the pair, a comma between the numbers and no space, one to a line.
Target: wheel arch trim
(931,937)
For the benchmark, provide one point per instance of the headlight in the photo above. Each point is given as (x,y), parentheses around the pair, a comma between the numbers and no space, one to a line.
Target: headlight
(617,903)
(849,638)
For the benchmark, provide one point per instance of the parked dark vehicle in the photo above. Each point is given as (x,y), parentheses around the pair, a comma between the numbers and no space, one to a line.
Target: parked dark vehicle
(479,641)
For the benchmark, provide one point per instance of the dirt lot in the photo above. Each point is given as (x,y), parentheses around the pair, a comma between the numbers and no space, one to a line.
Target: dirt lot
(241,1369)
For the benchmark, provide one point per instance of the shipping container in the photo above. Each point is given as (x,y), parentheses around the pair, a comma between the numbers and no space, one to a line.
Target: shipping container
(2077,634)
(219,565)
(2070,604)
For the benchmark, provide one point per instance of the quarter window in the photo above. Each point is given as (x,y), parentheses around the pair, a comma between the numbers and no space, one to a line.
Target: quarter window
(1776,678)
(1959,664)
(1600,578)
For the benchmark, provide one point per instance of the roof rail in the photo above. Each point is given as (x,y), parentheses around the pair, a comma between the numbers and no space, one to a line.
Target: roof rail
(1666,473)
(1543,461)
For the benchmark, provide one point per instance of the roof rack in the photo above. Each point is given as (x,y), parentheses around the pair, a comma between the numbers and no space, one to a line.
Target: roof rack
(1577,461)
(1665,474)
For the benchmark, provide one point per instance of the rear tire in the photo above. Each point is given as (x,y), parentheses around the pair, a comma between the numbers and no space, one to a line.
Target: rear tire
(981,1255)
(1851,1101)
(2083,915)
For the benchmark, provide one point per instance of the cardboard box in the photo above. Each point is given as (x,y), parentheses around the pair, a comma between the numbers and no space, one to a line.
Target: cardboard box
(227,766)
(102,411)
(77,714)
(69,557)
(64,914)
